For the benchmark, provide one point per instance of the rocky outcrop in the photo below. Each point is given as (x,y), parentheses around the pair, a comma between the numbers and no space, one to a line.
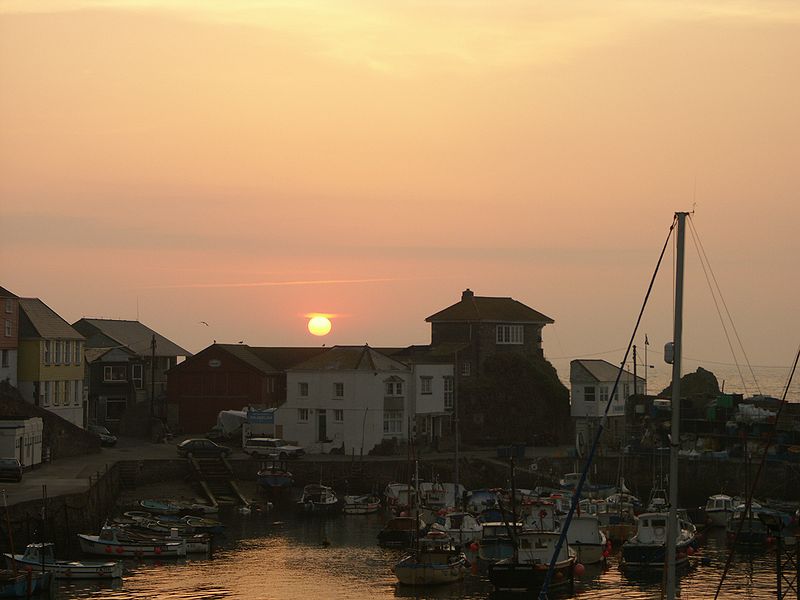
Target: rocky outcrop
(697,384)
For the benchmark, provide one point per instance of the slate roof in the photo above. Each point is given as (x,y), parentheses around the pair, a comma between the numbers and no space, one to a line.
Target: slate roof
(282,358)
(600,370)
(133,335)
(473,308)
(40,321)
(351,358)
(4,293)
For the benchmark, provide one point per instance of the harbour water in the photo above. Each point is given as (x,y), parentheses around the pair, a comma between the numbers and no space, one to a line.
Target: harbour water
(280,556)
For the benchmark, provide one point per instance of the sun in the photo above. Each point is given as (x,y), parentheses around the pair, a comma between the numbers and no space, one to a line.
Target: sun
(319,325)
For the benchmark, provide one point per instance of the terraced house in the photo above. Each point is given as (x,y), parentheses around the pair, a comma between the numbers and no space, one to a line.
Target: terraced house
(51,367)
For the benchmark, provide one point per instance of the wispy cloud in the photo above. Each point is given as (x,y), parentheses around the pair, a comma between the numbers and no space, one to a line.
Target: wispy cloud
(255,284)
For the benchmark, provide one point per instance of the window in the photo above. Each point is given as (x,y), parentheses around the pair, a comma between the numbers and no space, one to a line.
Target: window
(68,389)
(9,305)
(302,389)
(78,352)
(68,352)
(338,415)
(588,393)
(392,421)
(509,334)
(426,385)
(137,373)
(5,358)
(59,351)
(338,390)
(603,393)
(626,390)
(48,393)
(78,392)
(58,393)
(46,353)
(466,368)
(302,415)
(394,388)
(114,374)
(8,328)
(449,384)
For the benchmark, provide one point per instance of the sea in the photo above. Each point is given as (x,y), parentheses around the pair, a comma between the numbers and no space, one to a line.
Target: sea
(282,556)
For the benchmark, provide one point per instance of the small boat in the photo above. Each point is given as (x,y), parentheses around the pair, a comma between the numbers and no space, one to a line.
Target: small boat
(754,531)
(110,543)
(719,509)
(496,542)
(203,524)
(63,569)
(526,571)
(158,507)
(361,505)
(647,547)
(589,542)
(435,561)
(275,477)
(401,532)
(23,584)
(318,498)
(461,527)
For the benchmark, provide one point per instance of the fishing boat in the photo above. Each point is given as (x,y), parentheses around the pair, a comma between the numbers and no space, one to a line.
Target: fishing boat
(42,556)
(318,499)
(719,509)
(497,542)
(587,539)
(361,505)
(275,477)
(401,532)
(527,569)
(110,543)
(461,527)
(435,561)
(648,548)
(754,531)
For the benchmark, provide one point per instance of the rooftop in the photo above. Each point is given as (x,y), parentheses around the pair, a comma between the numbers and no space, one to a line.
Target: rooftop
(489,309)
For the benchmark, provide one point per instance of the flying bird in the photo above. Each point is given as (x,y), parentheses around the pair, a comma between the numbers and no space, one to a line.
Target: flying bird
(203,323)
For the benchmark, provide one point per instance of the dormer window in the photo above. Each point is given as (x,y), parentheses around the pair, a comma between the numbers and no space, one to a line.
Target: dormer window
(510,334)
(394,388)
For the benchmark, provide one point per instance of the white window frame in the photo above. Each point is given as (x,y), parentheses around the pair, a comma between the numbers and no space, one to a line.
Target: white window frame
(45,352)
(68,352)
(68,390)
(78,392)
(108,374)
(393,422)
(9,305)
(510,334)
(48,393)
(9,328)
(302,415)
(449,392)
(138,382)
(302,389)
(394,388)
(59,352)
(466,368)
(426,385)
(79,353)
(338,389)
(586,393)
(338,415)
(603,396)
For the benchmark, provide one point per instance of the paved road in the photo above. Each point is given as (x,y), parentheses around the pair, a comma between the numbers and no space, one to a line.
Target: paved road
(71,475)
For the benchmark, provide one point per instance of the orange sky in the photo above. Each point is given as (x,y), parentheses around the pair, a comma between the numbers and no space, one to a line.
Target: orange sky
(400,152)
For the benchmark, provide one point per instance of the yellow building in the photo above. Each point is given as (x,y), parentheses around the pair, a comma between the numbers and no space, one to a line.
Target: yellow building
(51,366)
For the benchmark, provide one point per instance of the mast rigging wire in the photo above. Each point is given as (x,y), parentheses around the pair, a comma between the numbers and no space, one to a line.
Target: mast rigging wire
(582,481)
(750,493)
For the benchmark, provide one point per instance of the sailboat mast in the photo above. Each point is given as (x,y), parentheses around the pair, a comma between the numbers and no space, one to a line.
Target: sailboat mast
(672,523)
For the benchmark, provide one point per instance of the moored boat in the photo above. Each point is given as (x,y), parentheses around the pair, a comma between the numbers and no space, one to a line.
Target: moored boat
(526,571)
(435,561)
(718,510)
(38,556)
(318,499)
(361,505)
(589,542)
(461,527)
(110,543)
(23,584)
(275,477)
(648,547)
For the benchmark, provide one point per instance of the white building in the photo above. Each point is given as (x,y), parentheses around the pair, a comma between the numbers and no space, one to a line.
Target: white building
(22,438)
(349,398)
(591,385)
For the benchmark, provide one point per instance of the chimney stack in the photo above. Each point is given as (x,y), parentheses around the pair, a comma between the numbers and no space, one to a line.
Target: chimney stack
(467,294)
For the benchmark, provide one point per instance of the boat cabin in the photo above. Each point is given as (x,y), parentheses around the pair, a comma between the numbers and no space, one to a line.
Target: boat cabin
(720,502)
(34,552)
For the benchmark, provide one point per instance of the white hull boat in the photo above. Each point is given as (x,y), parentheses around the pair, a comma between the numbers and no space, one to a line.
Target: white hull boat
(63,569)
(108,544)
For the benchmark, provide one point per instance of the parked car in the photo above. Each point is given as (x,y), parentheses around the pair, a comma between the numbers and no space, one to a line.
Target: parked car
(10,468)
(106,437)
(202,447)
(259,447)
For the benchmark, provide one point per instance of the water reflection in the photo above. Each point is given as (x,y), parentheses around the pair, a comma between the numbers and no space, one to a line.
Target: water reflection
(280,556)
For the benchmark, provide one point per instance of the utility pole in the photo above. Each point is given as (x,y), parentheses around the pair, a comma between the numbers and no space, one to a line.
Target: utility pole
(634,371)
(153,376)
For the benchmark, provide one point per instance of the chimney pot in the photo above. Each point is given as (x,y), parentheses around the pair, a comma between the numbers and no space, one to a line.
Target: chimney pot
(467,294)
